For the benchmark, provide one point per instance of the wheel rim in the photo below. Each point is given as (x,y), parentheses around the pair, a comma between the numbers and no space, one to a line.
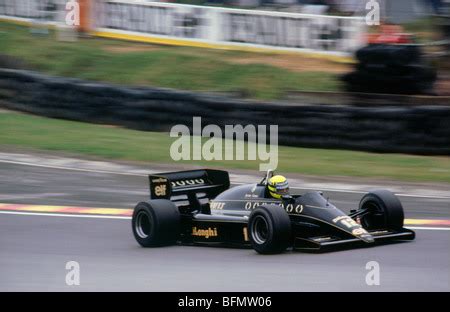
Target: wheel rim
(260,230)
(375,217)
(143,225)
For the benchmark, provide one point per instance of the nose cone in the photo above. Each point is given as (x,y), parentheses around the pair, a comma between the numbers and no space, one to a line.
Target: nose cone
(363,235)
(367,238)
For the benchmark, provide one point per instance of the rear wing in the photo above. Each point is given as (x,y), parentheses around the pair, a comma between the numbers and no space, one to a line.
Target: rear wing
(192,185)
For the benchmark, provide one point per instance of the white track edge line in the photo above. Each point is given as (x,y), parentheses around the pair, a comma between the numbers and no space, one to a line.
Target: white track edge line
(70,168)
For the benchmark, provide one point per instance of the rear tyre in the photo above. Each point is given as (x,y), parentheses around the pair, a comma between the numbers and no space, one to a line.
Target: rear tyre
(384,211)
(269,229)
(156,223)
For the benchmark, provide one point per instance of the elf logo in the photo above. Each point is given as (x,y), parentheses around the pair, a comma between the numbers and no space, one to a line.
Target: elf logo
(161,190)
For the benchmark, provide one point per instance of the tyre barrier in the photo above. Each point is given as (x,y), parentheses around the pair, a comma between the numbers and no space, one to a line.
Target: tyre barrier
(392,69)
(7,61)
(384,128)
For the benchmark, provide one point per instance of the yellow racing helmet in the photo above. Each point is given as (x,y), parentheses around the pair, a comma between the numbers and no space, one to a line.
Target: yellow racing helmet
(278,186)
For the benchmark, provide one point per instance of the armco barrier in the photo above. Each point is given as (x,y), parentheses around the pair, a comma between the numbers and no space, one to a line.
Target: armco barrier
(387,128)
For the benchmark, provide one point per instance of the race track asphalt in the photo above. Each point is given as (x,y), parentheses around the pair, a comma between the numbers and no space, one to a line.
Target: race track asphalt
(34,249)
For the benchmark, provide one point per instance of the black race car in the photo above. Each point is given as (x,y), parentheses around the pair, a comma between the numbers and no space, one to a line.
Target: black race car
(199,207)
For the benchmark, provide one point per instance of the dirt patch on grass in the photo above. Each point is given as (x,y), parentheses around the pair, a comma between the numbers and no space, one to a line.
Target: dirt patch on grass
(297,63)
(130,48)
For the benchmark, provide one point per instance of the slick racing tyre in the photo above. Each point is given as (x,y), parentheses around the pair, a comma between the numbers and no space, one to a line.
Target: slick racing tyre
(156,223)
(269,229)
(384,211)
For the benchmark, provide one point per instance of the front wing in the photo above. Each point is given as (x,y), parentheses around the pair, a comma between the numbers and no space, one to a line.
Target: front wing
(320,243)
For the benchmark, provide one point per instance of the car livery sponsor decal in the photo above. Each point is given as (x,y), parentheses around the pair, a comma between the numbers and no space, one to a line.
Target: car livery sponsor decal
(189,182)
(206,233)
(245,232)
(354,227)
(217,205)
(290,208)
(159,187)
(159,180)
(346,221)
(359,231)
(161,190)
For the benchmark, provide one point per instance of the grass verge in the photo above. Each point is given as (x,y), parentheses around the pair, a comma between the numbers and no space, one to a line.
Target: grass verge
(22,130)
(186,68)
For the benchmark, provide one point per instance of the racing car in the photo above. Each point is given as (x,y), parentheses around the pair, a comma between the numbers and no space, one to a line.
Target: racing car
(199,207)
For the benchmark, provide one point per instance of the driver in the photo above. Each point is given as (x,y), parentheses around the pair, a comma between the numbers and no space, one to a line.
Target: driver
(278,186)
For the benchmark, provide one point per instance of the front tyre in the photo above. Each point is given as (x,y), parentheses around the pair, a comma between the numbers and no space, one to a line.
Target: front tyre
(269,229)
(156,223)
(382,210)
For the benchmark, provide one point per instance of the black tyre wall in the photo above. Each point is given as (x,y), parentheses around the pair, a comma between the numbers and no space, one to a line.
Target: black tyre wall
(165,223)
(396,69)
(279,229)
(389,204)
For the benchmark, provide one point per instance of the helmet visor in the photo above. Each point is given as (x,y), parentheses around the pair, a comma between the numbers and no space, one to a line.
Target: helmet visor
(282,188)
